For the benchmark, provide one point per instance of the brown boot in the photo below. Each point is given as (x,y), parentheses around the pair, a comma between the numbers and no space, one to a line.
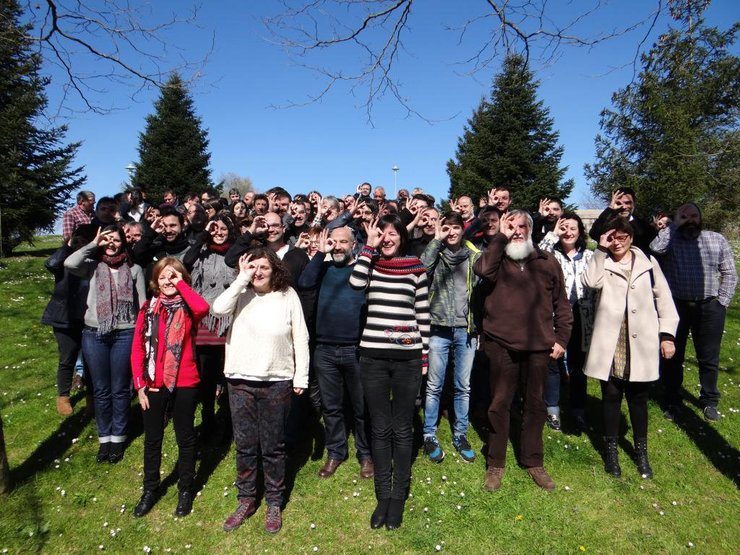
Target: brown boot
(494,476)
(541,478)
(64,407)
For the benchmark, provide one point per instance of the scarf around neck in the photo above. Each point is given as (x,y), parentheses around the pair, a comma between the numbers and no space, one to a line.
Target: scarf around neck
(400,266)
(175,313)
(114,301)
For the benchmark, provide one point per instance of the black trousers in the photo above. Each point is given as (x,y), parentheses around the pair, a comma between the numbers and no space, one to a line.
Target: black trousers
(211,366)
(69,344)
(612,392)
(184,401)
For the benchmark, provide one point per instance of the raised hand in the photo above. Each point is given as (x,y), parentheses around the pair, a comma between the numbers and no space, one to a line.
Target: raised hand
(157,225)
(442,230)
(493,196)
(606,238)
(303,241)
(559,227)
(508,227)
(259,226)
(374,234)
(616,195)
(543,209)
(211,227)
(174,276)
(454,206)
(356,212)
(246,266)
(326,243)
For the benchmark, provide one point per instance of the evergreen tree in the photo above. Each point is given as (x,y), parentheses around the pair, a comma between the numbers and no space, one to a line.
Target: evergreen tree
(36,166)
(510,141)
(672,135)
(173,150)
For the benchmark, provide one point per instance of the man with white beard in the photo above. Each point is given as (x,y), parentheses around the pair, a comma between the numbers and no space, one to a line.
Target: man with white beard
(527,319)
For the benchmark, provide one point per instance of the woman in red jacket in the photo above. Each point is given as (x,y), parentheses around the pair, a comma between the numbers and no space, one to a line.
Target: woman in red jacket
(165,373)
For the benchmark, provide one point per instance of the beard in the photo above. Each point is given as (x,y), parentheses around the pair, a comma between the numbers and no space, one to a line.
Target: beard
(341,258)
(520,251)
(690,231)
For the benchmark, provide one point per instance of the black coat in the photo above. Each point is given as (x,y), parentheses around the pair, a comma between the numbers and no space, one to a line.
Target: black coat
(66,308)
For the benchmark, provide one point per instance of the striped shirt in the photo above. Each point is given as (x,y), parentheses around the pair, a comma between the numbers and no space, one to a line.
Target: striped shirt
(397,324)
(696,269)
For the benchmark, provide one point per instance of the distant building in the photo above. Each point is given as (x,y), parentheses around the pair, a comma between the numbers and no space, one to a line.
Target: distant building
(588,216)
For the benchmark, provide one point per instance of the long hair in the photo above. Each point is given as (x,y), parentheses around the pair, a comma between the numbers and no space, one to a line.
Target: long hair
(125,247)
(227,220)
(280,280)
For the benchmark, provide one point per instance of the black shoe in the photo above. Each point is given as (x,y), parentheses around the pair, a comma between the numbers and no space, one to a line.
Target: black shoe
(611,458)
(103,452)
(147,501)
(579,425)
(395,514)
(672,413)
(184,503)
(711,414)
(377,520)
(116,453)
(643,464)
(553,422)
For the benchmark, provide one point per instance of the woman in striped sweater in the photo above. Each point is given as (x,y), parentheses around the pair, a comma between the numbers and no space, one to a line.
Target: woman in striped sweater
(393,352)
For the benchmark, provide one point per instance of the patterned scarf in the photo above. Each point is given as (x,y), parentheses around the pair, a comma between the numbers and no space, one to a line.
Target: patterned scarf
(211,277)
(399,266)
(114,303)
(175,313)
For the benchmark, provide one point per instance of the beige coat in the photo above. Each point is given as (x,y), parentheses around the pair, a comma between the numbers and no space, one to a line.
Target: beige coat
(640,301)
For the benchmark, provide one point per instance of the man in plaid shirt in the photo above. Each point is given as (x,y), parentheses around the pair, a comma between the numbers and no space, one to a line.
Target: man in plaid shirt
(79,215)
(700,269)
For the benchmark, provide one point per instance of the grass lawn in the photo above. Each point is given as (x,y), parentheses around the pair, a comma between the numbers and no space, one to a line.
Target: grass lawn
(63,502)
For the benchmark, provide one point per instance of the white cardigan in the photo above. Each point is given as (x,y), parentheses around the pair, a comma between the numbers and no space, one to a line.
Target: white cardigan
(268,339)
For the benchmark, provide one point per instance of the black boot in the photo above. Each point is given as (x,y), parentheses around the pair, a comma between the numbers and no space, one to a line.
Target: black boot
(611,457)
(377,520)
(147,501)
(116,453)
(643,464)
(395,514)
(103,452)
(184,503)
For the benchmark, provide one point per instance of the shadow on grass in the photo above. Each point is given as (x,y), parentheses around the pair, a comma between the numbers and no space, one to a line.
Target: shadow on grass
(50,449)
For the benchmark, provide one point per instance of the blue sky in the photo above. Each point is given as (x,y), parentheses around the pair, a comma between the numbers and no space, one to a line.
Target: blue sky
(329,145)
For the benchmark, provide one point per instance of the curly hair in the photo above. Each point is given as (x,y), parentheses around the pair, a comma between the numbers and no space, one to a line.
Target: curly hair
(280,280)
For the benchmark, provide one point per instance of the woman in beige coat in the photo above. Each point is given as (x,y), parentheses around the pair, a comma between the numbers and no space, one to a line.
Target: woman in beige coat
(634,326)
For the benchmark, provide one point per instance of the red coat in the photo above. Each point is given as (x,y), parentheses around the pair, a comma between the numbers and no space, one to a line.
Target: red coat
(187,375)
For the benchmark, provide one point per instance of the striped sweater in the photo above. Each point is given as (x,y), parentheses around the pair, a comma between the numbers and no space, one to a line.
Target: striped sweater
(397,325)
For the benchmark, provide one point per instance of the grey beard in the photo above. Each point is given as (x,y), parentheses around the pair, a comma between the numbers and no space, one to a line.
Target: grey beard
(342,259)
(520,251)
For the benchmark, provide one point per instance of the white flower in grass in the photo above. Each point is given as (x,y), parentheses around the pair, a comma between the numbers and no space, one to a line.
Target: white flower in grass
(437,547)
(690,545)
(147,549)
(462,494)
(313,526)
(101,547)
(188,545)
(567,488)
(315,548)
(444,478)
(105,524)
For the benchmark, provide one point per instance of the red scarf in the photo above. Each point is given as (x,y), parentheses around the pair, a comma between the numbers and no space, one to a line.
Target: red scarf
(175,313)
(220,249)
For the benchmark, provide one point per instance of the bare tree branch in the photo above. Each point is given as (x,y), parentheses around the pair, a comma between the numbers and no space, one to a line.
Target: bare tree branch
(99,43)
(358,43)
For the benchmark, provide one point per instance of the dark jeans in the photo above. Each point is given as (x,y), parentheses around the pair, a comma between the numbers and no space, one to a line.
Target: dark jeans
(390,389)
(706,322)
(109,361)
(528,371)
(183,401)
(572,364)
(211,367)
(337,367)
(259,413)
(69,343)
(611,399)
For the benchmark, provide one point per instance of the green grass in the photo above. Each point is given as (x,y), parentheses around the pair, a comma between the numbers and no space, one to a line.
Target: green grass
(63,502)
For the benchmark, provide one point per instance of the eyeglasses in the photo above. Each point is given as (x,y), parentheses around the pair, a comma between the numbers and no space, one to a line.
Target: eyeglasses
(620,238)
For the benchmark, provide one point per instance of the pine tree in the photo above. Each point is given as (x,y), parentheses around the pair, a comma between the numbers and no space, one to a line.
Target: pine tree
(510,141)
(173,150)
(36,166)
(672,135)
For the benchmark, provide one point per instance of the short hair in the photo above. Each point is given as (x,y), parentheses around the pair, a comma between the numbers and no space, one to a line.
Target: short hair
(372,204)
(581,241)
(519,212)
(169,192)
(282,193)
(133,224)
(280,280)
(261,196)
(619,223)
(394,221)
(235,190)
(160,265)
(426,198)
(488,210)
(627,191)
(167,210)
(214,204)
(454,218)
(190,195)
(135,194)
(82,196)
(105,200)
(556,199)
(334,201)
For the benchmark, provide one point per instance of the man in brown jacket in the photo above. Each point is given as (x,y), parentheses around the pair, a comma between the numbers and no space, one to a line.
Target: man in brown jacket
(527,320)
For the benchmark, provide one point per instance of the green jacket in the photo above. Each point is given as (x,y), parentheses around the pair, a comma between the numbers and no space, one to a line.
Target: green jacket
(442,287)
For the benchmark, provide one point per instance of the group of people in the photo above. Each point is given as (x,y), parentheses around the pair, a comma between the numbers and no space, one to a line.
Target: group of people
(272,297)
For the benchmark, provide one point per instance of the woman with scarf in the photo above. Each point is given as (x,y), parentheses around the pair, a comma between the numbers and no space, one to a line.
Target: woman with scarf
(393,352)
(114,297)
(211,277)
(166,377)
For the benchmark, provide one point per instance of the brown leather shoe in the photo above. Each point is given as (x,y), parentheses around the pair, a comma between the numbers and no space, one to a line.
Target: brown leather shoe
(494,475)
(367,468)
(64,407)
(541,478)
(329,468)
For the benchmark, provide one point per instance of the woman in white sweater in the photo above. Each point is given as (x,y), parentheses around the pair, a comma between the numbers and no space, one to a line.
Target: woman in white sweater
(266,361)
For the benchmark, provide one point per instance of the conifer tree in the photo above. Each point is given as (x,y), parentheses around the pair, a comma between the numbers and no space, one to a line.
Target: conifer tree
(173,149)
(510,140)
(36,166)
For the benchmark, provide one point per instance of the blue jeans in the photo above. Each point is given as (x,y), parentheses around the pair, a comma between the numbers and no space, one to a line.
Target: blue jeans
(109,361)
(440,341)
(337,367)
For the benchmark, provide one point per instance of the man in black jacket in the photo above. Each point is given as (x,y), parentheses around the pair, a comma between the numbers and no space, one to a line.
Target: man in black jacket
(623,204)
